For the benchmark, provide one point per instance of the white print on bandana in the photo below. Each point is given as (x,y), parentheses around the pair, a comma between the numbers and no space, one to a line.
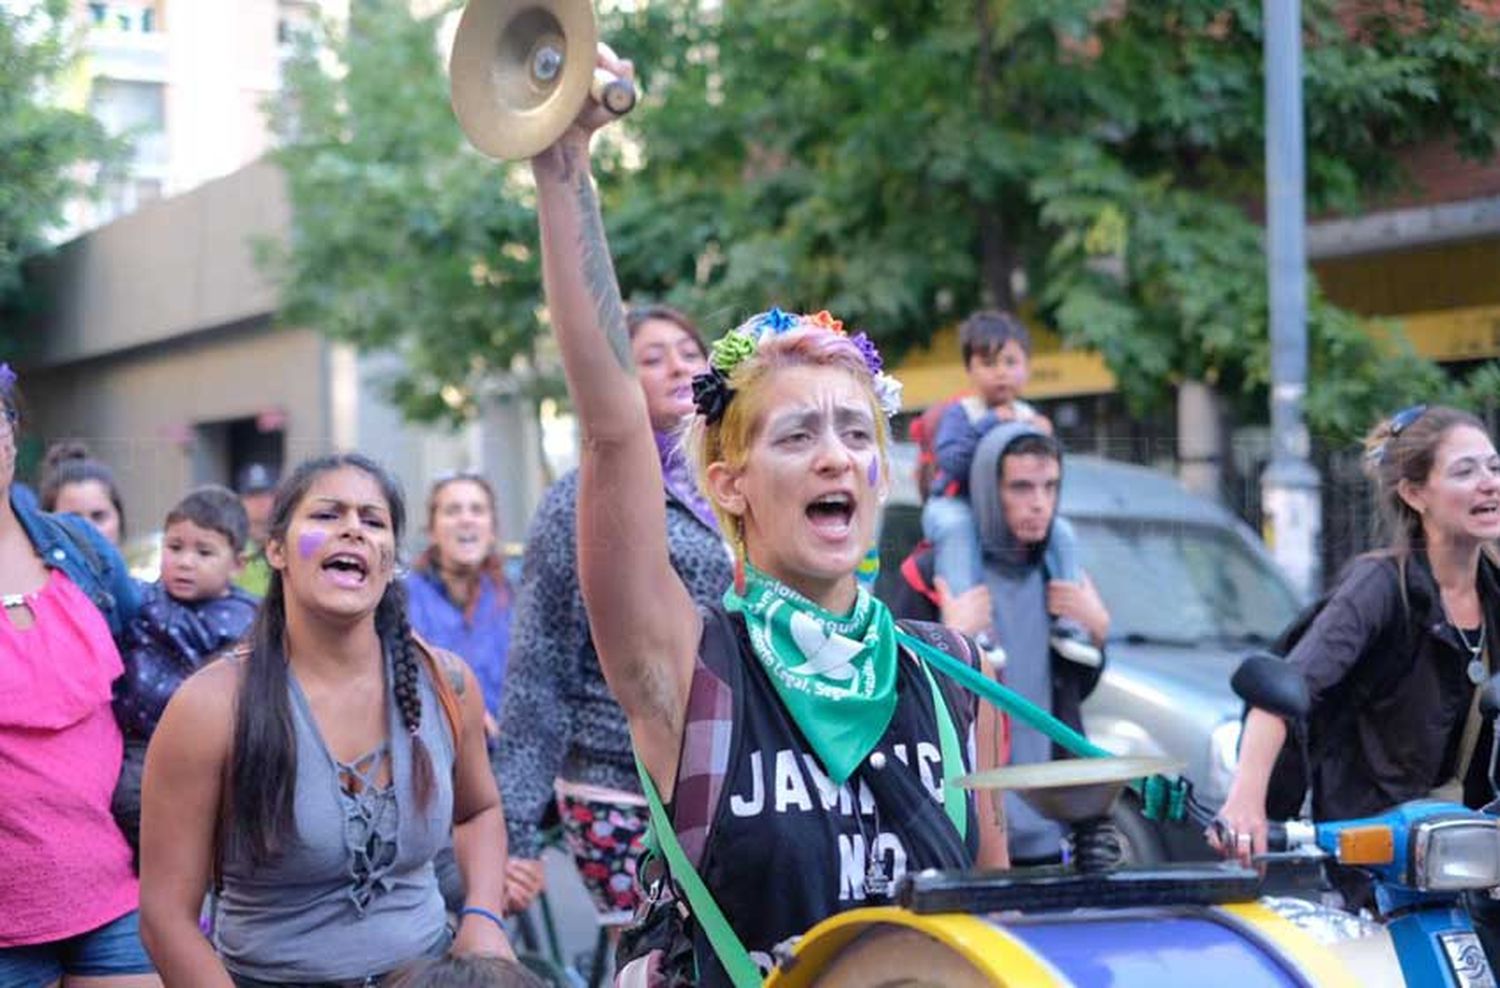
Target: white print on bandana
(828,669)
(785,790)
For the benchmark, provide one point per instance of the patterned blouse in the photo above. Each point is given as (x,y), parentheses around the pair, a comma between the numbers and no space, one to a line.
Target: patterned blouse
(558,717)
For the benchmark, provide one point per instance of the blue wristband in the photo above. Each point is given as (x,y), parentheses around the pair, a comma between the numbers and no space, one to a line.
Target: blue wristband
(478,911)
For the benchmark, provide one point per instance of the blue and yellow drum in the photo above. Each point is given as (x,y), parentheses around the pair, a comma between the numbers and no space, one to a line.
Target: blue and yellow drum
(1242,945)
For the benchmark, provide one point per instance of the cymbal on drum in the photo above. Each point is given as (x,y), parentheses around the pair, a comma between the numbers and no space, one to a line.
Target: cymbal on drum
(520,72)
(1071,789)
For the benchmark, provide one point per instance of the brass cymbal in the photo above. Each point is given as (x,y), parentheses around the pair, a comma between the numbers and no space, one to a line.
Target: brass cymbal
(520,72)
(1068,772)
(1073,789)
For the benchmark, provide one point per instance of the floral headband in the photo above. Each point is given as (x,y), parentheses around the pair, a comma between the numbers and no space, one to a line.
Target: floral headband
(712,393)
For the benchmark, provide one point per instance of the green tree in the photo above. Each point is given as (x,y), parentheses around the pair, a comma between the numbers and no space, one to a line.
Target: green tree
(404,238)
(902,161)
(46,150)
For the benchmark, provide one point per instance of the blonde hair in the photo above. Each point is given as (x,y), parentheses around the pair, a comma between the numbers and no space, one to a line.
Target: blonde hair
(1407,453)
(728,440)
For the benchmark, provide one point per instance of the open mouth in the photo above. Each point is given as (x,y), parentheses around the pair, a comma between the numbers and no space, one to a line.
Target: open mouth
(346,569)
(832,514)
(1488,510)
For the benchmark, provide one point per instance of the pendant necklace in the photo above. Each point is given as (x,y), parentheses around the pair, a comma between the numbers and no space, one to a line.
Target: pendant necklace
(1476,669)
(877,881)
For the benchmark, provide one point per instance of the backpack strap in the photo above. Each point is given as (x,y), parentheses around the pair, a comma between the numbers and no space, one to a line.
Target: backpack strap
(447,683)
(721,936)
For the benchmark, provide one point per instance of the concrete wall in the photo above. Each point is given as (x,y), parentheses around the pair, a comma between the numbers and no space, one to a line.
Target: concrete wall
(176,267)
(138,412)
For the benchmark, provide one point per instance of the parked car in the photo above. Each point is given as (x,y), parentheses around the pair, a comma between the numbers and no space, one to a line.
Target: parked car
(1190,589)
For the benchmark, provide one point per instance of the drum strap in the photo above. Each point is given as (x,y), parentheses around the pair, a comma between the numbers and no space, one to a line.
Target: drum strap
(721,936)
(726,943)
(999,696)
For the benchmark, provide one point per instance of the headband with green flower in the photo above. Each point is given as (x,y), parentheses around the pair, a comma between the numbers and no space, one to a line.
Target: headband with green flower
(712,393)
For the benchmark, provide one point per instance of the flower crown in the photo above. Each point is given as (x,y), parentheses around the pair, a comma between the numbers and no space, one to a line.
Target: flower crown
(712,393)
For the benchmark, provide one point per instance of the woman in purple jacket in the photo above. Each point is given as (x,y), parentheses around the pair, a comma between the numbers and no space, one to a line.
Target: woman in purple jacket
(459,597)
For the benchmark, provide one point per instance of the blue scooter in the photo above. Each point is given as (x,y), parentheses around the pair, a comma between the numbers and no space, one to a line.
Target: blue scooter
(1423,856)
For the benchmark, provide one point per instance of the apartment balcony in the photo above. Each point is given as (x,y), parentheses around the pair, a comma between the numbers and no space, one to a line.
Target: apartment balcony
(126,41)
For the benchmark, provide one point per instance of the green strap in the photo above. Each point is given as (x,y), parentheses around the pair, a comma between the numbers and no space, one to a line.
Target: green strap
(955,800)
(731,952)
(1006,699)
(1163,798)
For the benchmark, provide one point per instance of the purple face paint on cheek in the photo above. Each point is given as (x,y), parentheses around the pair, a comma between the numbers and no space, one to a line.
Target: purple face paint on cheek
(309,543)
(873,474)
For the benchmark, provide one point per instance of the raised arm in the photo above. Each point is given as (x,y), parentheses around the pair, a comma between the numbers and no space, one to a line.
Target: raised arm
(643,621)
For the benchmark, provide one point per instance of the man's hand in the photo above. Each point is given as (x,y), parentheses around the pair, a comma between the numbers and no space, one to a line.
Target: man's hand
(523,881)
(969,612)
(1081,602)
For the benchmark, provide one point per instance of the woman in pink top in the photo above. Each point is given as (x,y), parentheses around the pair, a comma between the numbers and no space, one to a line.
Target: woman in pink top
(68,899)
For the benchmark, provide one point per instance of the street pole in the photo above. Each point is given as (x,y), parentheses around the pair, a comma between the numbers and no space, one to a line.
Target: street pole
(1290,496)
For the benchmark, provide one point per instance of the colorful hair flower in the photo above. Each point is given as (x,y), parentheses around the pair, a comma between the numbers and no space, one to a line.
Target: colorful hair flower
(7,377)
(825,320)
(775,321)
(866,348)
(888,393)
(711,395)
(731,348)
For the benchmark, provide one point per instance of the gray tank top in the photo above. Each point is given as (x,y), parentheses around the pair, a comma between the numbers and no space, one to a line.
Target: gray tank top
(354,893)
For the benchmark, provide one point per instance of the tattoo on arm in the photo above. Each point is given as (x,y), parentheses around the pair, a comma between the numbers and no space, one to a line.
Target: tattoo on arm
(599,269)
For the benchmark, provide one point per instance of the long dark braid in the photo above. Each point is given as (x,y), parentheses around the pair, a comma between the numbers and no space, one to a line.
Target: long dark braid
(394,628)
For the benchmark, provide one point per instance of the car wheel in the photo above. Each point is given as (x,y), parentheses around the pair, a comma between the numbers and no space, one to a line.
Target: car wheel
(1140,839)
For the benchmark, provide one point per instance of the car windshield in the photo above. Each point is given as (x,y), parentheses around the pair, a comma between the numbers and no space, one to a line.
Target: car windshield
(1175,582)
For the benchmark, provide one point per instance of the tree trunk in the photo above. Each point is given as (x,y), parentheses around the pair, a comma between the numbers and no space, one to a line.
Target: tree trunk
(997,258)
(1200,439)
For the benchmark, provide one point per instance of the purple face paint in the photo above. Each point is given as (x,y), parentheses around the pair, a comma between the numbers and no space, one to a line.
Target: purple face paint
(873,475)
(309,543)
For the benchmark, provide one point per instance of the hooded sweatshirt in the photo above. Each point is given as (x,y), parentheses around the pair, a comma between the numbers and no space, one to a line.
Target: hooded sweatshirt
(1017,580)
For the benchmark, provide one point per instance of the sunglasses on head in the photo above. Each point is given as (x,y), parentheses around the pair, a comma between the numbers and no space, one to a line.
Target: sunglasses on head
(449,476)
(1403,419)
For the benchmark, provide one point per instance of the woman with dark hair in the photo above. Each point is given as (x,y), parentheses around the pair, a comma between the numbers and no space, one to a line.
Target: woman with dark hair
(1395,656)
(314,775)
(457,592)
(68,900)
(73,482)
(568,741)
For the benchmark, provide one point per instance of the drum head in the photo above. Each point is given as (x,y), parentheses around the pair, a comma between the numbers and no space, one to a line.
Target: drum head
(897,957)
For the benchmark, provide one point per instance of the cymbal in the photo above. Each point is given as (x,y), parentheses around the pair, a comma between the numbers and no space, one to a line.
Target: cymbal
(520,72)
(1068,772)
(1072,789)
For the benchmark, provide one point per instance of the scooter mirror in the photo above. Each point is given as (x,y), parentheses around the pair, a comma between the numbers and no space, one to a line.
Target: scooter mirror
(1268,682)
(1489,698)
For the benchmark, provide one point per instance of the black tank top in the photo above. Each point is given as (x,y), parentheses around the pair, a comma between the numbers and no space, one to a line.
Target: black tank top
(786,848)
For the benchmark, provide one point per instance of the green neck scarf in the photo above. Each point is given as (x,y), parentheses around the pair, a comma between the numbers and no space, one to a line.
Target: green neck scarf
(836,675)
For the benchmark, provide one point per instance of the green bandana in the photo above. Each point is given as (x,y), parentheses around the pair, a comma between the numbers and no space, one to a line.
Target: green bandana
(837,676)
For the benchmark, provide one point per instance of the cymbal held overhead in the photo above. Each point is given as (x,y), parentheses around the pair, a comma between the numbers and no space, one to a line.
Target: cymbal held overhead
(521,71)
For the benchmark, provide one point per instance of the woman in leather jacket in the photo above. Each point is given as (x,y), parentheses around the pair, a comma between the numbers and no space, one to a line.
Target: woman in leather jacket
(1395,656)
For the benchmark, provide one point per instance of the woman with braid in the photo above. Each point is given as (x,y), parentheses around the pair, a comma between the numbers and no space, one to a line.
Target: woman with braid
(312,776)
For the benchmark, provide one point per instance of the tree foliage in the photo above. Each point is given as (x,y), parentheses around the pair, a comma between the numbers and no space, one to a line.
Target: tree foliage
(404,238)
(45,148)
(900,162)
